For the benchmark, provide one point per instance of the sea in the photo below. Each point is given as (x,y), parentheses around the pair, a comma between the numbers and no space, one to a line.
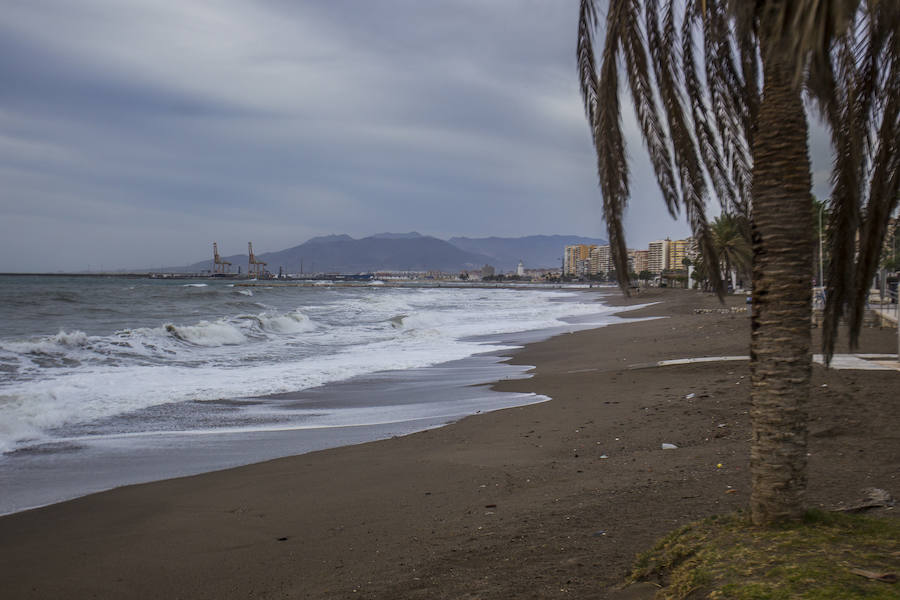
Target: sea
(108,381)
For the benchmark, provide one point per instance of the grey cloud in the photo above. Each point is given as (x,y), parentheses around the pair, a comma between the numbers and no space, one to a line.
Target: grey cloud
(134,134)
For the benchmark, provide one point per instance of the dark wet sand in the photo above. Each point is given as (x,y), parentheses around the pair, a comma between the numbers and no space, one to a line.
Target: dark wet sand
(519,503)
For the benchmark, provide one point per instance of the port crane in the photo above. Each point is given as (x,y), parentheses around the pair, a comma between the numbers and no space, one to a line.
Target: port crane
(220,267)
(255,268)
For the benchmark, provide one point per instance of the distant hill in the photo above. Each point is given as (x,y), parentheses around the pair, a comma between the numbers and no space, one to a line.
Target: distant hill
(344,254)
(397,236)
(407,252)
(535,251)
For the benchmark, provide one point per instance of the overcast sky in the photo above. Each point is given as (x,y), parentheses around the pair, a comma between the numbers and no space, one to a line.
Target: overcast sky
(135,133)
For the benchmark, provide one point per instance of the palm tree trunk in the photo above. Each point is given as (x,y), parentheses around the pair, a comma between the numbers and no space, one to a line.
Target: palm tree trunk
(727,269)
(780,359)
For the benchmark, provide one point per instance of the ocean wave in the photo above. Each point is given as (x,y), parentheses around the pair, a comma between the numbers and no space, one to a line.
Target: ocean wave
(206,333)
(70,339)
(292,322)
(425,321)
(151,345)
(54,344)
(39,410)
(250,349)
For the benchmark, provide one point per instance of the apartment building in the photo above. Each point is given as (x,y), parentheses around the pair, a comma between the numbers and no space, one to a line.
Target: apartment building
(601,260)
(678,251)
(574,254)
(639,260)
(658,256)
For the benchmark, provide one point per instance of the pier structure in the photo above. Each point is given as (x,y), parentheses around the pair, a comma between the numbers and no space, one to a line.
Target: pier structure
(220,267)
(255,268)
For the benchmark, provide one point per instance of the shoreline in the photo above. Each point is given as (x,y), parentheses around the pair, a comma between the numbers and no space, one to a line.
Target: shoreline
(544,500)
(64,468)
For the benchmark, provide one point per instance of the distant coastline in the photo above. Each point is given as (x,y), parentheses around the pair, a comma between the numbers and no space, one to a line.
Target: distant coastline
(328,282)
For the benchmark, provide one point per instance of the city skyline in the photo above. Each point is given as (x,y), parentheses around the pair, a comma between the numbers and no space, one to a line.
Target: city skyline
(658,256)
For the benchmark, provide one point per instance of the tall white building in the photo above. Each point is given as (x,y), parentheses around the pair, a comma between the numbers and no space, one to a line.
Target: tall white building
(601,260)
(658,256)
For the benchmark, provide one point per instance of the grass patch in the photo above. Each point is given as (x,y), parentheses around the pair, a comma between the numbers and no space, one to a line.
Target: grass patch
(726,557)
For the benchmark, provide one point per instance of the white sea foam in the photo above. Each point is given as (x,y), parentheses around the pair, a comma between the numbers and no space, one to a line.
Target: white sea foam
(292,322)
(196,285)
(205,333)
(100,392)
(336,334)
(48,345)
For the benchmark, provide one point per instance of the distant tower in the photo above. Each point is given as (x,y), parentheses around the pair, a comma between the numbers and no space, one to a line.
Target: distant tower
(255,267)
(219,265)
(520,269)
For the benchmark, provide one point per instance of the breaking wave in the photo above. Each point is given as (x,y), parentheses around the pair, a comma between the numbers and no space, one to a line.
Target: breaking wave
(205,333)
(235,347)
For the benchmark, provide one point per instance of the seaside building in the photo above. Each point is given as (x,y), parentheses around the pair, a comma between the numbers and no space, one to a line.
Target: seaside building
(658,256)
(520,269)
(573,254)
(583,267)
(677,252)
(639,260)
(539,274)
(487,271)
(601,260)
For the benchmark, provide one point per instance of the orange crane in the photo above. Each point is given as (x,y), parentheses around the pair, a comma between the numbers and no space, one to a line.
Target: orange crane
(255,268)
(219,265)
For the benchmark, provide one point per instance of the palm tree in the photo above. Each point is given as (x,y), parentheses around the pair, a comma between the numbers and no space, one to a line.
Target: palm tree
(716,125)
(731,241)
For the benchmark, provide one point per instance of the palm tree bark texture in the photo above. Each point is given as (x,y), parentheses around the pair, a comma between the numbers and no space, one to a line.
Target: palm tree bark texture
(782,295)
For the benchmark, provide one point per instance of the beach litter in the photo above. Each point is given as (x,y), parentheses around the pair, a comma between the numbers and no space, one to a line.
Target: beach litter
(669,447)
(874,498)
(690,396)
(876,576)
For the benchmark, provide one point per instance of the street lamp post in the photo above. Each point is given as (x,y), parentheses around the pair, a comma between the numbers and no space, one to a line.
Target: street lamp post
(821,249)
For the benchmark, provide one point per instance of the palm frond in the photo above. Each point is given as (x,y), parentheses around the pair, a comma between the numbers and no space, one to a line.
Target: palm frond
(799,29)
(601,95)
(664,55)
(587,68)
(707,140)
(885,161)
(728,96)
(846,185)
(865,90)
(884,193)
(634,48)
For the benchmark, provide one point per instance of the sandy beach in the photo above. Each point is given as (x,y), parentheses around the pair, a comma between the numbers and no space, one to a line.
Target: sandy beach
(543,501)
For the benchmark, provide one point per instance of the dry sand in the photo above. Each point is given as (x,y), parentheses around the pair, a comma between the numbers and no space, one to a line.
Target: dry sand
(545,501)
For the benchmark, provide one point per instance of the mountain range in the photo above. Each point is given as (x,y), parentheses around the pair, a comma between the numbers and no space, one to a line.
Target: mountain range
(409,252)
